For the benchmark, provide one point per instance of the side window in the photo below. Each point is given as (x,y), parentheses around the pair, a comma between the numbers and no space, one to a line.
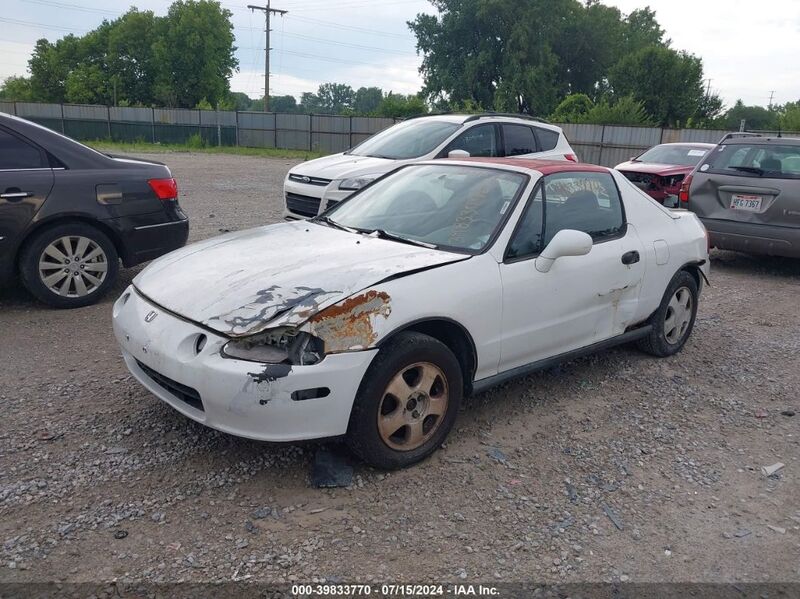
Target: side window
(527,239)
(16,154)
(547,139)
(478,141)
(518,140)
(588,202)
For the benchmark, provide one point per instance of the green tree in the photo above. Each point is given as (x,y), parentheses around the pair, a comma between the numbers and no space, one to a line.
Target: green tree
(16,89)
(131,59)
(641,29)
(498,54)
(50,65)
(400,106)
(572,109)
(367,99)
(239,101)
(622,111)
(309,103)
(755,117)
(790,116)
(283,104)
(335,98)
(669,83)
(194,53)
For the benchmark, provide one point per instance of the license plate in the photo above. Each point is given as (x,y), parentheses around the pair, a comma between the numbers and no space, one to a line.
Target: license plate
(746,202)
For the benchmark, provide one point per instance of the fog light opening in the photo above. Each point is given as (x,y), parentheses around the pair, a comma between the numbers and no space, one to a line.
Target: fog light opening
(315,393)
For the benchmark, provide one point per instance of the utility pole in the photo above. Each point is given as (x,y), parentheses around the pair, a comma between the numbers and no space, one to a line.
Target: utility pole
(708,88)
(268,11)
(771,94)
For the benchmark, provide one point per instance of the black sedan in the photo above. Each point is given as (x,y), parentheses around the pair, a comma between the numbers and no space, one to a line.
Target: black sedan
(69,214)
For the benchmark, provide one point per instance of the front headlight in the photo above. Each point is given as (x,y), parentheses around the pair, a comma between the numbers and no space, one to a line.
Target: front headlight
(277,346)
(354,183)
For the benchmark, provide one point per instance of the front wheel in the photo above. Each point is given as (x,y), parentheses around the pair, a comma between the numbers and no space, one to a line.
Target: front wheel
(674,320)
(407,402)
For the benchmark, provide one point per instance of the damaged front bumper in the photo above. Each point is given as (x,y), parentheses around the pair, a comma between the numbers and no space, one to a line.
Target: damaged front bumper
(181,364)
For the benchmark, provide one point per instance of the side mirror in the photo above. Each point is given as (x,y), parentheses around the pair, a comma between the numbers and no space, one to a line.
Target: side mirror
(458,154)
(567,242)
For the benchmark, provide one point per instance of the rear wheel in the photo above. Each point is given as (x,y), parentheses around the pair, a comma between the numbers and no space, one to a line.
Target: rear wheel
(674,320)
(407,402)
(69,265)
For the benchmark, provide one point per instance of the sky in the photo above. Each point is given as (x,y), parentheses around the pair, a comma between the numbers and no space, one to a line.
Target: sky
(749,48)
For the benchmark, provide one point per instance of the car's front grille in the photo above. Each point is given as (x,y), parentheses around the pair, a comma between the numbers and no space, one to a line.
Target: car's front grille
(331,203)
(309,180)
(183,392)
(300,204)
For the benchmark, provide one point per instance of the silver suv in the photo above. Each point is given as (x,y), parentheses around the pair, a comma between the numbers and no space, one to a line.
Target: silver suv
(747,193)
(312,187)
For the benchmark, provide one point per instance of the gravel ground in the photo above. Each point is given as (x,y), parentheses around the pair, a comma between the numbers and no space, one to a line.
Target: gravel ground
(612,468)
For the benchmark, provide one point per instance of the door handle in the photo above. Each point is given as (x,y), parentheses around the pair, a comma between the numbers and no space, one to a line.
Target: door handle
(631,257)
(14,194)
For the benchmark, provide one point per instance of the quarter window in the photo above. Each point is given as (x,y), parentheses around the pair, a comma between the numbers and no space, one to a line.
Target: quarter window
(587,202)
(16,154)
(547,139)
(518,140)
(480,140)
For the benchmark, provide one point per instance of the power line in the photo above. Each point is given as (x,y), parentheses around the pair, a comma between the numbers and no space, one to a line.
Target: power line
(39,25)
(345,44)
(268,12)
(69,6)
(350,27)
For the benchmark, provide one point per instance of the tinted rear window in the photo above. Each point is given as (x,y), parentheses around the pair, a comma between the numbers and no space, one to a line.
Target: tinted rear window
(775,161)
(547,139)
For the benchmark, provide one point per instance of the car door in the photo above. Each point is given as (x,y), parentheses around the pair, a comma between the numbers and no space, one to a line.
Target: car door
(582,299)
(25,182)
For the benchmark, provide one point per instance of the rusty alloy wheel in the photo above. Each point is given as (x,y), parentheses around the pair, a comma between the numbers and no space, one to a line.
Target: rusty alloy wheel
(413,406)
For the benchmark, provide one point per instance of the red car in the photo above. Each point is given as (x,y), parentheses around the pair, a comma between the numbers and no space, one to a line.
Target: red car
(660,170)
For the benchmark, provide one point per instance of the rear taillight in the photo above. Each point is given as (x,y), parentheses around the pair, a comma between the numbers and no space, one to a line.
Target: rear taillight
(683,193)
(571,157)
(165,189)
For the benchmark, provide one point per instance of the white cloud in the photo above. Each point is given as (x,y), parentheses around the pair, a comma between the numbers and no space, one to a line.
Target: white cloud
(748,48)
(15,57)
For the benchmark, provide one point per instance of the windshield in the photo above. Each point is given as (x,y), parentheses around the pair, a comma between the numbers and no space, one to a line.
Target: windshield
(775,161)
(674,155)
(448,206)
(410,139)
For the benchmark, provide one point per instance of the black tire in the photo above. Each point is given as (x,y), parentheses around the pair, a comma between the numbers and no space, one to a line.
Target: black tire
(399,357)
(33,252)
(659,342)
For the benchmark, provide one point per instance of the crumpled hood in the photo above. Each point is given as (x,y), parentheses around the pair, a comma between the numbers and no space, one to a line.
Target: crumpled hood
(653,168)
(241,283)
(338,166)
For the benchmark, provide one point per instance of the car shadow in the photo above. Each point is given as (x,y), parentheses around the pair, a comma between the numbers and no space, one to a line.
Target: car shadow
(13,296)
(739,263)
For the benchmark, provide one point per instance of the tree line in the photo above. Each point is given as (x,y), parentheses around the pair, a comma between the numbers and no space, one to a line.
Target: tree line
(564,60)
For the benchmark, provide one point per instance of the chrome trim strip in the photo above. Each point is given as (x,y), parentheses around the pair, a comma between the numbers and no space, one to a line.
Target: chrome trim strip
(174,222)
(23,170)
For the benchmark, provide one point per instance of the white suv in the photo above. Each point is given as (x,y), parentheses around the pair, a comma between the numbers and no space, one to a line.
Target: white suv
(314,186)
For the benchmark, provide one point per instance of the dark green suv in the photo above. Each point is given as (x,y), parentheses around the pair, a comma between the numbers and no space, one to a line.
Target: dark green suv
(746,192)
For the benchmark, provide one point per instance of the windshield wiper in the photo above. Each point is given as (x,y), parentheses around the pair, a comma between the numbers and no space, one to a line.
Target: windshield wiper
(383,234)
(749,169)
(332,223)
